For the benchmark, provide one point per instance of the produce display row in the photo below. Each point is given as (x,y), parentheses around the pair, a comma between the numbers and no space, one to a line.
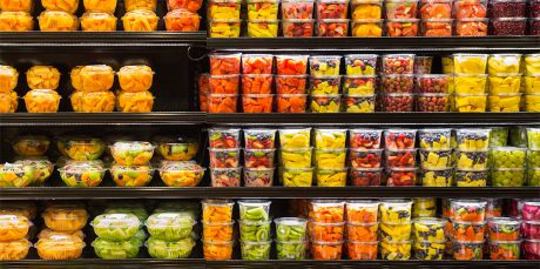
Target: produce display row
(402,18)
(439,157)
(391,82)
(59,16)
(324,230)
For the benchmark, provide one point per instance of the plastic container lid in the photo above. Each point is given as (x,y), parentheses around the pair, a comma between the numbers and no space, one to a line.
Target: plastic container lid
(169,166)
(78,167)
(132,145)
(129,69)
(60,241)
(14,221)
(430,221)
(116,220)
(170,220)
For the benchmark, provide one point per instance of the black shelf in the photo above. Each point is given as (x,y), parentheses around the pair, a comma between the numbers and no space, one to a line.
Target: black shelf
(67,193)
(124,39)
(115,118)
(427,44)
(275,264)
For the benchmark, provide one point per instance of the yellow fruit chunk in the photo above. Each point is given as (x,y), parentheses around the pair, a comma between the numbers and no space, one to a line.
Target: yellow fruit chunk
(93,101)
(297,177)
(8,78)
(57,21)
(447,64)
(16,21)
(98,22)
(135,102)
(135,78)
(69,6)
(504,103)
(107,6)
(330,158)
(43,77)
(140,20)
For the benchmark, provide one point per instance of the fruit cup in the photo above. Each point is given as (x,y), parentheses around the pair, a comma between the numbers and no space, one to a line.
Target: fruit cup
(325,85)
(473,139)
(224,28)
(359,103)
(330,138)
(471,160)
(332,27)
(254,211)
(395,211)
(296,157)
(532,84)
(530,210)
(262,9)
(362,211)
(332,9)
(359,85)
(395,231)
(257,103)
(465,231)
(255,64)
(324,65)
(466,251)
(291,84)
(297,27)
(226,177)
(470,63)
(396,83)
(402,27)
(504,85)
(504,64)
(57,21)
(20,5)
(290,229)
(505,8)
(470,9)
(402,158)
(326,250)
(398,63)
(327,211)
(504,103)
(258,177)
(398,102)
(493,207)
(435,139)
(224,63)
(498,137)
(291,250)
(366,138)
(204,89)
(401,176)
(217,250)
(468,210)
(224,138)
(532,64)
(508,26)
(429,229)
(399,139)
(217,211)
(471,27)
(504,250)
(291,64)
(366,9)
(291,103)
(470,103)
(42,101)
(429,250)
(224,9)
(436,27)
(396,9)
(508,177)
(224,84)
(362,232)
(367,28)
(262,28)
(365,158)
(437,177)
(132,152)
(140,20)
(301,10)
(295,138)
(16,21)
(531,249)
(435,9)
(395,250)
(331,177)
(31,145)
(436,159)
(366,176)
(470,178)
(503,229)
(257,84)
(326,232)
(358,65)
(191,5)
(325,103)
(181,174)
(470,84)
(179,20)
(224,158)
(296,177)
(530,229)
(533,158)
(259,138)
(508,157)
(533,177)
(362,250)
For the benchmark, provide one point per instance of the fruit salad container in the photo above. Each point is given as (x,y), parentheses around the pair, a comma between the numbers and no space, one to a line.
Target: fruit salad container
(361,64)
(141,4)
(291,84)
(226,177)
(60,247)
(262,9)
(291,229)
(504,250)
(116,227)
(224,158)
(366,9)
(401,9)
(396,139)
(181,174)
(438,9)
(291,64)
(330,138)
(40,77)
(367,28)
(467,9)
(132,152)
(254,210)
(57,21)
(295,138)
(191,5)
(8,78)
(296,157)
(327,211)
(531,210)
(330,158)
(13,227)
(254,231)
(493,208)
(470,103)
(429,250)
(366,138)
(471,27)
(395,231)
(225,84)
(400,158)
(329,251)
(436,177)
(466,251)
(325,85)
(225,63)
(96,78)
(505,8)
(471,160)
(135,78)
(433,83)
(508,157)
(221,138)
(135,209)
(359,85)
(365,158)
(42,101)
(473,139)
(170,226)
(428,229)
(219,211)
(362,211)
(327,232)
(259,158)
(498,137)
(533,138)
(218,231)
(359,103)
(108,249)
(131,176)
(217,250)
(530,229)
(176,148)
(324,65)
(532,64)
(255,251)
(9,102)
(508,26)
(30,145)
(532,84)
(262,28)
(89,102)
(398,63)
(257,64)
(504,64)
(402,27)
(533,158)
(435,139)
(470,63)
(301,10)
(325,103)
(42,168)
(17,175)
(224,28)
(140,20)
(224,9)
(14,250)
(161,249)
(65,218)
(362,232)
(81,148)
(332,9)
(503,229)
(366,176)
(401,176)
(471,177)
(331,177)
(135,102)
(398,83)
(398,102)
(424,207)
(395,250)
(468,210)
(504,103)
(21,5)
(465,231)
(291,250)
(82,173)
(395,211)
(433,102)
(472,84)
(531,249)
(296,177)
(436,27)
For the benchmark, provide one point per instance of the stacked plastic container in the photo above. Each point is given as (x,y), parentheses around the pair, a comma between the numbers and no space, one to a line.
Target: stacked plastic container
(257,83)
(255,224)
(58,16)
(330,157)
(9,99)
(259,155)
(531,80)
(470,16)
(436,157)
(224,18)
(291,238)
(262,18)
(16,16)
(429,238)
(508,166)
(325,83)
(140,16)
(530,229)
(436,17)
(63,239)
(82,167)
(327,229)
(291,83)
(297,18)
(434,91)
(472,157)
(119,235)
(135,82)
(218,228)
(31,161)
(401,18)
(360,82)
(504,82)
(225,169)
(400,157)
(470,81)
(468,218)
(99,15)
(534,17)
(332,20)
(508,17)
(366,18)
(43,82)
(170,235)
(92,85)
(132,157)
(14,230)
(504,238)
(395,229)
(533,157)
(397,82)
(296,157)
(362,229)
(183,16)
(224,81)
(365,157)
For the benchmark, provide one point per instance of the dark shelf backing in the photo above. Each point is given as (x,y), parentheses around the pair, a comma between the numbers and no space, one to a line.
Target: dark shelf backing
(67,193)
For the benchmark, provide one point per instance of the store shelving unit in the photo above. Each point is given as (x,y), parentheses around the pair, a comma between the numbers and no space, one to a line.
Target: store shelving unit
(178,45)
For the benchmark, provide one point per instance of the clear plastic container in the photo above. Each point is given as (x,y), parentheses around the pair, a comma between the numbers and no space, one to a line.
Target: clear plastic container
(332,9)
(224,158)
(327,211)
(112,250)
(475,160)
(15,175)
(254,210)
(473,139)
(17,5)
(170,226)
(291,64)
(325,85)
(138,102)
(60,247)
(503,229)
(366,176)
(31,145)
(255,251)
(57,21)
(217,210)
(396,9)
(13,227)
(470,63)
(436,159)
(400,158)
(262,9)
(395,211)
(397,83)
(90,102)
(395,231)
(396,139)
(365,138)
(132,152)
(140,20)
(290,229)
(254,231)
(262,28)
(218,231)
(435,9)
(327,232)
(468,210)
(181,20)
(224,28)
(258,177)
(116,227)
(66,6)
(65,217)
(107,6)
(131,176)
(505,84)
(402,27)
(359,104)
(291,138)
(259,159)
(331,177)
(508,26)
(9,102)
(297,9)
(291,250)
(226,177)
(43,77)
(16,21)
(42,101)
(367,28)
(362,211)
(176,148)
(217,250)
(296,177)
(296,157)
(135,78)
(398,63)
(81,148)
(8,78)
(471,177)
(324,65)
(42,168)
(395,250)
(365,158)
(329,251)
(14,250)
(191,5)
(224,9)
(470,84)
(161,249)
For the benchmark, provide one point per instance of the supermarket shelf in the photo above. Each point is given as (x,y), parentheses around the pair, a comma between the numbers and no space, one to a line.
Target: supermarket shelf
(72,119)
(275,264)
(377,119)
(67,193)
(78,39)
(428,44)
